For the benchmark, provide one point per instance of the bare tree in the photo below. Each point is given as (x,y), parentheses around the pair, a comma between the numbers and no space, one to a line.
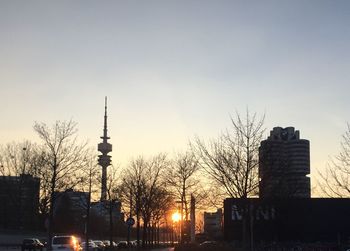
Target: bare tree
(232,159)
(64,157)
(161,205)
(131,189)
(335,180)
(143,184)
(18,158)
(90,181)
(180,177)
(151,183)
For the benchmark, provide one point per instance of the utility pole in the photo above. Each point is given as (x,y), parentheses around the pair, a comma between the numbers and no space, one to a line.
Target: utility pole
(193,219)
(138,215)
(87,225)
(130,215)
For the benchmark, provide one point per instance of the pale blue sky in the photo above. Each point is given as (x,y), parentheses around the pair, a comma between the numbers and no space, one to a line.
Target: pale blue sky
(173,69)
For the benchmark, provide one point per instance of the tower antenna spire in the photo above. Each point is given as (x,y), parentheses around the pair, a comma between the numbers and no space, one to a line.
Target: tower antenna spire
(104,160)
(105,137)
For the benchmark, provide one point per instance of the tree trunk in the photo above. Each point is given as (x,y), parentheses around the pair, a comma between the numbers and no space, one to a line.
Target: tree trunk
(158,234)
(52,204)
(138,222)
(110,224)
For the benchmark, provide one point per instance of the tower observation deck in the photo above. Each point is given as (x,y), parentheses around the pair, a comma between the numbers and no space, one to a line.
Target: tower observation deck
(104,160)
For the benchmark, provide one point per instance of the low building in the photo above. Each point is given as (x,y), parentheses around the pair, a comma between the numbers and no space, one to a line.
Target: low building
(287,220)
(102,209)
(19,207)
(100,215)
(70,211)
(77,200)
(213,224)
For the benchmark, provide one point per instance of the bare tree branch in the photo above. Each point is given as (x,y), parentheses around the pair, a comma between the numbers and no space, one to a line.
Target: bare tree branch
(232,159)
(64,158)
(335,180)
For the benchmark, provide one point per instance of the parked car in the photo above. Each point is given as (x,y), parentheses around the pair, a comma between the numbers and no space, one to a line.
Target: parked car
(101,246)
(122,244)
(43,241)
(65,243)
(32,244)
(106,242)
(208,244)
(134,243)
(91,246)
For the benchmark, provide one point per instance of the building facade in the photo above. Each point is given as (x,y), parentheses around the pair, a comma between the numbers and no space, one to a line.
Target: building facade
(105,208)
(19,197)
(295,220)
(70,211)
(284,163)
(213,224)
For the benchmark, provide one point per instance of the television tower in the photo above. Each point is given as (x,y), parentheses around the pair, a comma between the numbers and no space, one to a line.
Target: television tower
(104,160)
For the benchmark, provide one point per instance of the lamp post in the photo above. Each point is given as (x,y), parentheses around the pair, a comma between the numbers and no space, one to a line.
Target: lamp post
(87,221)
(20,189)
(181,220)
(24,160)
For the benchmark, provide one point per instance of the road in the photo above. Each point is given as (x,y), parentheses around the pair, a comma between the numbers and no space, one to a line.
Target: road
(163,249)
(155,249)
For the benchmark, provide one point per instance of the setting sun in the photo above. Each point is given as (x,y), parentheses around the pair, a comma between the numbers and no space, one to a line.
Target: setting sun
(176,217)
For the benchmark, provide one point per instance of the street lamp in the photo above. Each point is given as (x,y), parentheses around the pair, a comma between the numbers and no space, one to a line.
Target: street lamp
(181,220)
(24,160)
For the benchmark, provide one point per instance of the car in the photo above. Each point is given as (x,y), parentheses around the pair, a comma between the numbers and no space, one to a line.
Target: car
(106,242)
(208,244)
(31,244)
(134,243)
(65,243)
(122,244)
(100,245)
(91,246)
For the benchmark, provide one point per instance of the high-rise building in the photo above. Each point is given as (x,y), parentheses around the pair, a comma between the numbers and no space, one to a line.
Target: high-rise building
(104,160)
(284,163)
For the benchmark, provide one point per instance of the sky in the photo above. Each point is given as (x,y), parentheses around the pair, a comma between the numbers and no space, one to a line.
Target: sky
(175,69)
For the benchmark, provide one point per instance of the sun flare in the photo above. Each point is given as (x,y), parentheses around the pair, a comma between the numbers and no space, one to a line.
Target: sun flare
(176,217)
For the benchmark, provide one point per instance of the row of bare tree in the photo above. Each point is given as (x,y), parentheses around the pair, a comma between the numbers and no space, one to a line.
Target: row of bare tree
(150,187)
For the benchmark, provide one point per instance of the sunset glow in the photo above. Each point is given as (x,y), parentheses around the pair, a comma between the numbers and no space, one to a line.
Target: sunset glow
(176,217)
